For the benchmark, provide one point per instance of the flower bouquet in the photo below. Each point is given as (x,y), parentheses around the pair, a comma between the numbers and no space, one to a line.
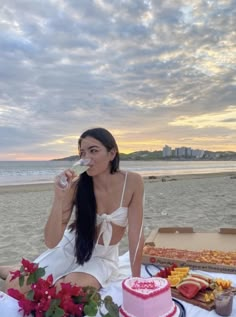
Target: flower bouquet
(43,299)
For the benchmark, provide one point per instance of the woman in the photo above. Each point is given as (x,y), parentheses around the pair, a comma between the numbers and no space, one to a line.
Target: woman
(106,201)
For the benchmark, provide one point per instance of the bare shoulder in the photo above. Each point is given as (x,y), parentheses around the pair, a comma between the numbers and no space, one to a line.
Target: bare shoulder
(135,180)
(135,188)
(135,177)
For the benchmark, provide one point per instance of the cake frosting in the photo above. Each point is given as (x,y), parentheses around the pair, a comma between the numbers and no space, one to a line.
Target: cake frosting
(149,297)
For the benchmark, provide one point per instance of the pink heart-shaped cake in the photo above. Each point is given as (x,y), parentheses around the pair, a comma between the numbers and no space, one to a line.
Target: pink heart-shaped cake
(149,297)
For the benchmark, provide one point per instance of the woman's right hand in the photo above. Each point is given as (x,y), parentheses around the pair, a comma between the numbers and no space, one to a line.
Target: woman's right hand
(63,181)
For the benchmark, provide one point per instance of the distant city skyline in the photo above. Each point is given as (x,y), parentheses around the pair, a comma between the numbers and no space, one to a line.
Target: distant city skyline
(183,151)
(151,72)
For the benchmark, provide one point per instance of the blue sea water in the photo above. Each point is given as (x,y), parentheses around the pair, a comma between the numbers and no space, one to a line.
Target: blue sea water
(29,172)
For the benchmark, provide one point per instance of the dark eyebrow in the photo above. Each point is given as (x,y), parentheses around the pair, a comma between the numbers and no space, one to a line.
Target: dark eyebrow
(90,147)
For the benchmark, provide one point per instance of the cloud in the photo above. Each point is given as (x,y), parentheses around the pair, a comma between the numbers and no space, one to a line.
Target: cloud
(225,119)
(151,72)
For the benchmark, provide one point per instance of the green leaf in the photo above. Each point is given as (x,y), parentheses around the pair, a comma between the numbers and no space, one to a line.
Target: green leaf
(31,279)
(21,280)
(54,303)
(104,315)
(39,273)
(112,308)
(91,308)
(35,276)
(54,310)
(59,312)
(30,295)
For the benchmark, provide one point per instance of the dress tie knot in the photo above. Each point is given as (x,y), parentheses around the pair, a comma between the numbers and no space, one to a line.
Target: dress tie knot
(106,218)
(106,229)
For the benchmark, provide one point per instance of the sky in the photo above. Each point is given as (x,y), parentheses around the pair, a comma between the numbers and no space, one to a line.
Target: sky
(153,72)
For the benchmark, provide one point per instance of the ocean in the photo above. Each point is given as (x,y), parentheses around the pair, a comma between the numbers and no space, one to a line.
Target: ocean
(31,172)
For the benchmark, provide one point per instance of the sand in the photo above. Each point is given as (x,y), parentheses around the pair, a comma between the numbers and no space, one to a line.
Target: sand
(205,202)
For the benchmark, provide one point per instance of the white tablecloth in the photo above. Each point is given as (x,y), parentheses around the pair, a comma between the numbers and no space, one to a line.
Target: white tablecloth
(9,306)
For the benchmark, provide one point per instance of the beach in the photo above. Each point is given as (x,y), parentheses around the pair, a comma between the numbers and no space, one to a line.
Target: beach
(205,202)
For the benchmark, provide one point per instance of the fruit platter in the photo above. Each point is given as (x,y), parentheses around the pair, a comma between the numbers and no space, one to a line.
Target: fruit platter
(194,288)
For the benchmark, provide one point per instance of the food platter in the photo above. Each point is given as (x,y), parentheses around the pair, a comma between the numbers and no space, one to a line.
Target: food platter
(198,300)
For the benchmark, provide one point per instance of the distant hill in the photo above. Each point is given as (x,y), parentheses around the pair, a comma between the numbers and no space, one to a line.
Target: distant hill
(68,158)
(157,155)
(140,155)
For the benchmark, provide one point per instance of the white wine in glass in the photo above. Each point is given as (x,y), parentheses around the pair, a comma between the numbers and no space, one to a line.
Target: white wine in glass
(78,167)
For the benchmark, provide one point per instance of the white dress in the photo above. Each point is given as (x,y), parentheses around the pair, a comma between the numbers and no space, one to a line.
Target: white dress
(104,262)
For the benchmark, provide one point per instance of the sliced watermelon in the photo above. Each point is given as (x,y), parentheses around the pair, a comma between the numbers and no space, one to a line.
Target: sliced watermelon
(189,289)
(202,276)
(204,284)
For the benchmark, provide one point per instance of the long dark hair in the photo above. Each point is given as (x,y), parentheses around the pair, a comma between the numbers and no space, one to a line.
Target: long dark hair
(85,201)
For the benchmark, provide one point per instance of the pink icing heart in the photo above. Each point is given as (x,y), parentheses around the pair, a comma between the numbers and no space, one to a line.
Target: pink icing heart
(146,287)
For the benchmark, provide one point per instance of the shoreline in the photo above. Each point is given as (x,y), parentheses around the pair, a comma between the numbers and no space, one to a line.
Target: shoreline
(48,186)
(177,177)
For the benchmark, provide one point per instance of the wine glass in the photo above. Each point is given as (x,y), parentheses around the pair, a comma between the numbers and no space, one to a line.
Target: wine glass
(78,167)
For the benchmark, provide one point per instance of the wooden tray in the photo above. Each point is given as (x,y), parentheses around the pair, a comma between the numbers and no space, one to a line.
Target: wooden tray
(198,300)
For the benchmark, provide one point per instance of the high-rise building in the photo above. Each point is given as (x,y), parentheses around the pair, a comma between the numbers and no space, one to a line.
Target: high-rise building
(166,151)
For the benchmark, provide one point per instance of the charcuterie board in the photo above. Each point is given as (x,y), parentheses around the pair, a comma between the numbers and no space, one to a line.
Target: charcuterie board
(198,300)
